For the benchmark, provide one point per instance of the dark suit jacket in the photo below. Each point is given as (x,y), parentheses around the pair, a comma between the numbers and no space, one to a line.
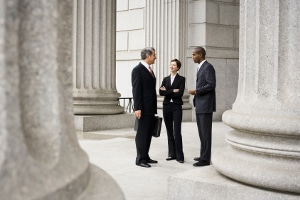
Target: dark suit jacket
(205,98)
(178,83)
(143,90)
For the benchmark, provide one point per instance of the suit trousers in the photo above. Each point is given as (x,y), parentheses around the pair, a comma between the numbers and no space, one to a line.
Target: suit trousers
(173,117)
(204,123)
(143,138)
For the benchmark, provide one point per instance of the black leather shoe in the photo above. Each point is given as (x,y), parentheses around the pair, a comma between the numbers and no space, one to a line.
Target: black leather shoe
(180,161)
(170,158)
(201,163)
(152,161)
(197,159)
(143,165)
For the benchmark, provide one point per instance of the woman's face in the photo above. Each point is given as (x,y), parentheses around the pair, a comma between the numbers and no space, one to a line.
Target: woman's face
(173,67)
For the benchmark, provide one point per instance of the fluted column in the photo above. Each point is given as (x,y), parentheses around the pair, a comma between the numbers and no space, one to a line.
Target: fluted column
(39,154)
(264,147)
(94,57)
(166,30)
(40,157)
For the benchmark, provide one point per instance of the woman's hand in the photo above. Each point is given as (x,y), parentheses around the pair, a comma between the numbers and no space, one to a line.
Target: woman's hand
(162,88)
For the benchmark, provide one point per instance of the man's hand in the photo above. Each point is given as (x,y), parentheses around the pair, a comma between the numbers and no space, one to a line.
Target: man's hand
(138,114)
(176,90)
(192,92)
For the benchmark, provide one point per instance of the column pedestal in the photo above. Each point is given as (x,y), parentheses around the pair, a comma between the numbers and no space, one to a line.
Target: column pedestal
(104,122)
(207,183)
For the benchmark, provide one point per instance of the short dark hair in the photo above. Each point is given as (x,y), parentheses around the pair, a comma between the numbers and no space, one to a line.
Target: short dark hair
(145,51)
(200,50)
(178,63)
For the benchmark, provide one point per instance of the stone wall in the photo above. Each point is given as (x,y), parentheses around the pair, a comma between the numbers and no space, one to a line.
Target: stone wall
(130,40)
(215,26)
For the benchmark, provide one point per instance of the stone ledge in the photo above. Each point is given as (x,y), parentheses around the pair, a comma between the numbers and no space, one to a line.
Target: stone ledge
(207,183)
(86,123)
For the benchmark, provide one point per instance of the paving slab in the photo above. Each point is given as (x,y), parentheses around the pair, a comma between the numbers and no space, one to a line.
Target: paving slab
(114,152)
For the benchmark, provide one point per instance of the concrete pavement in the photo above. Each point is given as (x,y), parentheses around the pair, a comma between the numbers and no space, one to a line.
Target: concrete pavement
(114,151)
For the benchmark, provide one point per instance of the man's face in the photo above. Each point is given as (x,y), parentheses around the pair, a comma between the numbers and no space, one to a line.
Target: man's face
(151,59)
(197,57)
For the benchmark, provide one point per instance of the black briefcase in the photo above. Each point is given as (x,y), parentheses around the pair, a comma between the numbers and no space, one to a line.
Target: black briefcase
(157,126)
(136,124)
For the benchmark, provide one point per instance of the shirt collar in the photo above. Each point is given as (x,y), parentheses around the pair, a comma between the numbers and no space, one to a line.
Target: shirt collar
(173,76)
(145,64)
(201,64)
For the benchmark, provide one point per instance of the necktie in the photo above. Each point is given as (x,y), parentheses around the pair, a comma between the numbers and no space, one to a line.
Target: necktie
(150,68)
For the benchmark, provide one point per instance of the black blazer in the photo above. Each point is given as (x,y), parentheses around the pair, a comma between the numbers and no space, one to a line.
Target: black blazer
(205,98)
(178,83)
(143,90)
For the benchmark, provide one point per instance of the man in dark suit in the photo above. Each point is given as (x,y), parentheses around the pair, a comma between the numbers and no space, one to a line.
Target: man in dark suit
(205,103)
(172,88)
(145,105)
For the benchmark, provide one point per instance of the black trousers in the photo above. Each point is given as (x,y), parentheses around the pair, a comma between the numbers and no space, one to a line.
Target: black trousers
(143,138)
(173,117)
(204,123)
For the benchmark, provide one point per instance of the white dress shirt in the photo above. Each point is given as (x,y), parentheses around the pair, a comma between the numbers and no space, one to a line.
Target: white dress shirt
(199,66)
(146,65)
(172,79)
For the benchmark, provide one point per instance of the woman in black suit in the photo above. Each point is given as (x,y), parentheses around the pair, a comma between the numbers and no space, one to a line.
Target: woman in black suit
(172,89)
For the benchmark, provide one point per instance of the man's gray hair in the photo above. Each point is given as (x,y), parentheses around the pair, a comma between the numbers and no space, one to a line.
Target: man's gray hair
(145,51)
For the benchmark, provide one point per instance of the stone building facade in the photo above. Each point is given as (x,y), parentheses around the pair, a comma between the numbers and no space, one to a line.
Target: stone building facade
(173,28)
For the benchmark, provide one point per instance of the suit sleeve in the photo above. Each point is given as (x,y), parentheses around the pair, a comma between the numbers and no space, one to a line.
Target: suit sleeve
(164,92)
(181,89)
(136,89)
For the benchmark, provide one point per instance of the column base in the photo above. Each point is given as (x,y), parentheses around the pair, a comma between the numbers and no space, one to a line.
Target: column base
(96,102)
(101,187)
(207,183)
(103,122)
(260,170)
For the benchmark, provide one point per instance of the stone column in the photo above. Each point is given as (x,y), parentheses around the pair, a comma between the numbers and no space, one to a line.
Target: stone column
(94,58)
(96,104)
(166,31)
(39,153)
(264,147)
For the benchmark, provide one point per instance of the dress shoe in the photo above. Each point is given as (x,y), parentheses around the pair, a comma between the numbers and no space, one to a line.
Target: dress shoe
(180,161)
(143,165)
(201,163)
(170,158)
(152,161)
(197,159)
